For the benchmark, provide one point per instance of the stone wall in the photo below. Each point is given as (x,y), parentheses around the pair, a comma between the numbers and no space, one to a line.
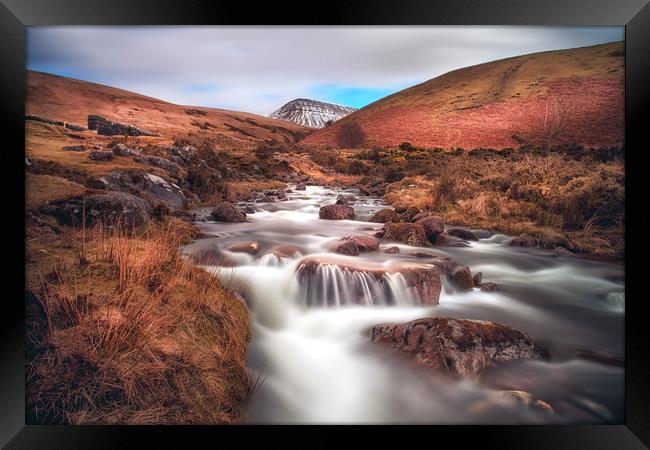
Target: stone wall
(59,123)
(109,128)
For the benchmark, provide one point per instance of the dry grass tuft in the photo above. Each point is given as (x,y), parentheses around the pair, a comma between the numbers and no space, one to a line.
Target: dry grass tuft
(131,333)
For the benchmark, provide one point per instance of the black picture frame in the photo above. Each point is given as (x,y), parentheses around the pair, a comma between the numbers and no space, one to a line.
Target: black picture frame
(15,15)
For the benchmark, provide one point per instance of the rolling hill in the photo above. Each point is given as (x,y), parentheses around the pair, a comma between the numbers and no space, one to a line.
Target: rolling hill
(548,98)
(72,100)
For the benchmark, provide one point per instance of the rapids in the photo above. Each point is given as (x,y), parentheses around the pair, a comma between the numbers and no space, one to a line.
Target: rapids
(311,352)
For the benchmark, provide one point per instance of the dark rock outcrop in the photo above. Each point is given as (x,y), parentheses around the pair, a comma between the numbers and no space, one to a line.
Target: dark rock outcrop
(153,187)
(107,127)
(455,346)
(336,212)
(227,212)
(101,155)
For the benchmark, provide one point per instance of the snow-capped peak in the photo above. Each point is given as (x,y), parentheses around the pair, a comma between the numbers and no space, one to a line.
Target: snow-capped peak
(311,113)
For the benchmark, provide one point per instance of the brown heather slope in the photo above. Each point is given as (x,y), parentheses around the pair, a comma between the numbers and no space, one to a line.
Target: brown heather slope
(501,104)
(72,100)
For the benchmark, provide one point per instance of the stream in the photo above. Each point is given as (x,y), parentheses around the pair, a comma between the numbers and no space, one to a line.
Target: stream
(311,352)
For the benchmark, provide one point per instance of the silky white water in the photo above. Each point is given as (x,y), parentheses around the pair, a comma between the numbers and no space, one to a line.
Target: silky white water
(311,349)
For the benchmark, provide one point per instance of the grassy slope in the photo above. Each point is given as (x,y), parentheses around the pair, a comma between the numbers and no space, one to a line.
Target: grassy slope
(485,105)
(72,100)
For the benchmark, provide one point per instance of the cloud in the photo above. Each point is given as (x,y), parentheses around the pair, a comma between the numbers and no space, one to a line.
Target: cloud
(258,69)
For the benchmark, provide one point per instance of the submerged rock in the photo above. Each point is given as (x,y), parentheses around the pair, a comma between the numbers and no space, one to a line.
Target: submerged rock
(330,281)
(524,240)
(336,212)
(346,248)
(463,234)
(250,247)
(364,243)
(457,346)
(342,199)
(392,249)
(301,187)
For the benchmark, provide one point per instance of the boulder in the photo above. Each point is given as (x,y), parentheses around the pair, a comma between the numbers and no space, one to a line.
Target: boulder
(346,248)
(109,208)
(121,150)
(250,247)
(154,188)
(455,346)
(364,243)
(408,233)
(408,214)
(227,212)
(445,264)
(489,287)
(478,278)
(463,234)
(301,187)
(551,239)
(365,282)
(433,226)
(336,212)
(461,276)
(248,210)
(384,216)
(342,199)
(524,240)
(101,155)
(170,166)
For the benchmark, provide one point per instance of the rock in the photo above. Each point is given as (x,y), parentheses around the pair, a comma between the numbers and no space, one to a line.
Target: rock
(171,167)
(346,248)
(433,226)
(185,216)
(477,279)
(550,240)
(408,233)
(384,216)
(365,243)
(527,399)
(345,199)
(101,155)
(336,212)
(185,153)
(109,209)
(365,282)
(400,209)
(151,186)
(121,150)
(227,212)
(250,247)
(301,187)
(561,251)
(489,287)
(461,276)
(268,199)
(463,234)
(248,210)
(285,251)
(392,249)
(408,213)
(455,346)
(524,240)
(445,240)
(445,264)
(75,148)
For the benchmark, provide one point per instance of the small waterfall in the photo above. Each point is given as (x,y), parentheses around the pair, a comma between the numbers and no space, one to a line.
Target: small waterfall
(330,285)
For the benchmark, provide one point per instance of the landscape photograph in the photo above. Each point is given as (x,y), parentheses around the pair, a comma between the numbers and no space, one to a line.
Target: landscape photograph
(324,225)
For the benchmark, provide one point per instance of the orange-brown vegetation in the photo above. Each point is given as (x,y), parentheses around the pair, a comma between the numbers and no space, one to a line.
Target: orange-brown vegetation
(122,330)
(543,99)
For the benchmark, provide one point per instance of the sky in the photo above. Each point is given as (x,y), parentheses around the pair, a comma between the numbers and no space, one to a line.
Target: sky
(258,69)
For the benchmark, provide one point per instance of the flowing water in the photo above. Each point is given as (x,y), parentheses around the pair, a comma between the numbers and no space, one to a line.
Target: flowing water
(311,350)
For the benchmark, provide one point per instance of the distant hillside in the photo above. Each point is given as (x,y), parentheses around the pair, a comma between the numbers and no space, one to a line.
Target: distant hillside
(311,113)
(72,100)
(549,98)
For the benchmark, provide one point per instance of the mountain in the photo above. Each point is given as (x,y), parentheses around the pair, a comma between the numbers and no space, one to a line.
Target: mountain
(555,97)
(311,113)
(72,100)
